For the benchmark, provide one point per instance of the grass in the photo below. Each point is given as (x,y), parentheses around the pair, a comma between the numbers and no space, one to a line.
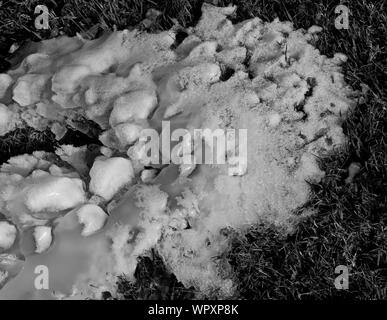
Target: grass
(350,227)
(154,282)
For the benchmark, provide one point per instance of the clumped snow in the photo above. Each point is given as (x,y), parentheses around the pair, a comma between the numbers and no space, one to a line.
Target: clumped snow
(263,77)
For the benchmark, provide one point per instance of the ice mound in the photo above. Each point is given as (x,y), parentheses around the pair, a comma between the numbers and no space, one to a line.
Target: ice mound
(266,78)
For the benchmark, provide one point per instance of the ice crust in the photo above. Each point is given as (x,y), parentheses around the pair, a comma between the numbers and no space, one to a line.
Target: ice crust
(264,77)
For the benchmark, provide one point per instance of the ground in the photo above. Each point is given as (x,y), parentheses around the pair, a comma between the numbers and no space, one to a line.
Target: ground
(350,226)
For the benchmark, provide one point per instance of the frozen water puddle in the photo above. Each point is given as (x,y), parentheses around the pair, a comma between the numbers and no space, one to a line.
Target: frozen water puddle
(87,215)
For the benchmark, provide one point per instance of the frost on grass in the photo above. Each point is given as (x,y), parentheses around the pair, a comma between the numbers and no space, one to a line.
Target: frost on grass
(263,77)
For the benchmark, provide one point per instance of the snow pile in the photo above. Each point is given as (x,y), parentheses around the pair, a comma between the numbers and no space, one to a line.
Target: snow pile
(263,77)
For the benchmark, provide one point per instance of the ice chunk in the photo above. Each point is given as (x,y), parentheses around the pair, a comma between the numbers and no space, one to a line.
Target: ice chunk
(67,79)
(109,139)
(43,238)
(233,58)
(62,172)
(7,235)
(5,82)
(213,23)
(109,175)
(75,156)
(4,119)
(36,61)
(22,164)
(340,58)
(92,217)
(136,105)
(203,73)
(107,152)
(128,133)
(108,86)
(314,29)
(29,88)
(204,49)
(148,175)
(36,174)
(54,194)
(58,130)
